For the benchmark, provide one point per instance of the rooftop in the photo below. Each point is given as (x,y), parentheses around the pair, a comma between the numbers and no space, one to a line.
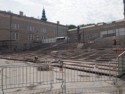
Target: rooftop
(24,16)
(98,24)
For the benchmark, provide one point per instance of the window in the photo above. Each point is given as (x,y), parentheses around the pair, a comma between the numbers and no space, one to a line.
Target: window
(43,30)
(42,37)
(37,37)
(16,36)
(31,37)
(30,28)
(15,26)
(18,26)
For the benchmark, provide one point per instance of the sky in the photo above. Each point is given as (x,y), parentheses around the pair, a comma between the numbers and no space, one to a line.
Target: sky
(68,12)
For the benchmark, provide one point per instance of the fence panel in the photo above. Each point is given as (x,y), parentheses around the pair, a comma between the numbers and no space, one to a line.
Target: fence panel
(121,63)
(54,79)
(22,76)
(95,90)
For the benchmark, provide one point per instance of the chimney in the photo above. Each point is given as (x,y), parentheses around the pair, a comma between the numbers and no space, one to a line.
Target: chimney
(21,13)
(58,22)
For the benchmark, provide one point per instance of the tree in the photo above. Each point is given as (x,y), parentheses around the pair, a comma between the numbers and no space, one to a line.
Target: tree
(71,26)
(83,25)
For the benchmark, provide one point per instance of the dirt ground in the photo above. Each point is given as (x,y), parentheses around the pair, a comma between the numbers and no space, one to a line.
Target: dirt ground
(98,55)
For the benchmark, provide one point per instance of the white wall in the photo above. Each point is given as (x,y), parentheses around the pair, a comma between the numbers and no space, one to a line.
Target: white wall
(120,31)
(50,40)
(103,33)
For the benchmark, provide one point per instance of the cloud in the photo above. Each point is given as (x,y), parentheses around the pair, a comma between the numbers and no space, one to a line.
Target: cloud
(69,11)
(87,11)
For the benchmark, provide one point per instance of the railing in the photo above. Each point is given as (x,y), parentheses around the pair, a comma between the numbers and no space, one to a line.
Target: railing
(121,63)
(96,90)
(53,79)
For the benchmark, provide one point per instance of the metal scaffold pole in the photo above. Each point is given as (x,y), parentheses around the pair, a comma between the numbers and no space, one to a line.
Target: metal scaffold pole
(2,81)
(63,86)
(52,78)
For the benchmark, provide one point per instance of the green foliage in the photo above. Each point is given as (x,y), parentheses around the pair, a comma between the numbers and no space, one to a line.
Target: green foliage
(74,26)
(83,25)
(71,26)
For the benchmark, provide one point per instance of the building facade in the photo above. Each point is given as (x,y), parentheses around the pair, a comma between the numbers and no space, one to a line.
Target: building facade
(20,32)
(101,30)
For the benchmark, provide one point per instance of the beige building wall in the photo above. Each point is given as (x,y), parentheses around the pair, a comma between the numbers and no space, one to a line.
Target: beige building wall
(4,27)
(26,32)
(101,30)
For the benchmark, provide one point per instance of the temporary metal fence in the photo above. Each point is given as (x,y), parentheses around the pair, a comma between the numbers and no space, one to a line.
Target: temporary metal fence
(121,63)
(54,77)
(97,90)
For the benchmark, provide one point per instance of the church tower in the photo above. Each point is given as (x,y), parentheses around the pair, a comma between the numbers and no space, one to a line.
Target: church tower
(44,16)
(124,8)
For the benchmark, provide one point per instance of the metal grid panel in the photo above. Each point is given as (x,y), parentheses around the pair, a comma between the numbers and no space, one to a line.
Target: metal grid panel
(95,90)
(14,77)
(121,63)
(22,76)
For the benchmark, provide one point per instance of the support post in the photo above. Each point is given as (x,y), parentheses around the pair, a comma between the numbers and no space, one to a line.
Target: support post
(2,89)
(63,86)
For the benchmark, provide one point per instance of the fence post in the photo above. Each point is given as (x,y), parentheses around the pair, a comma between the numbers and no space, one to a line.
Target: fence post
(63,80)
(2,89)
(52,77)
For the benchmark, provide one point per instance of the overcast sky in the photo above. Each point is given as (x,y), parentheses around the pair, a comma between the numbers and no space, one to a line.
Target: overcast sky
(68,11)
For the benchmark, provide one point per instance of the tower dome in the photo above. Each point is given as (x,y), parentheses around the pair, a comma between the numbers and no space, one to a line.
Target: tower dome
(44,16)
